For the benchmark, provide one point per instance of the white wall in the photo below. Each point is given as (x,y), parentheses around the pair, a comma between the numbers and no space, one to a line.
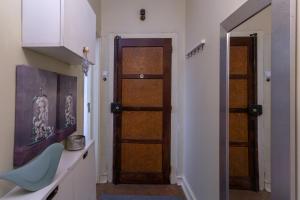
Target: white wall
(122,17)
(201,116)
(262,24)
(12,54)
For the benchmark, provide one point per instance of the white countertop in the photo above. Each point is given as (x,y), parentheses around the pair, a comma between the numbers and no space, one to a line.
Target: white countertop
(67,162)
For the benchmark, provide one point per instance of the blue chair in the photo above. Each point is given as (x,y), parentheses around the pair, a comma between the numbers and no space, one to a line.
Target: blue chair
(39,172)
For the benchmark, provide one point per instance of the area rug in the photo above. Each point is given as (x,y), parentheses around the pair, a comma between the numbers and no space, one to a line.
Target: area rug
(137,197)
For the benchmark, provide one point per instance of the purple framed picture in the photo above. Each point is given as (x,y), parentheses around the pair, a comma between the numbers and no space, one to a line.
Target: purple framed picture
(66,106)
(45,111)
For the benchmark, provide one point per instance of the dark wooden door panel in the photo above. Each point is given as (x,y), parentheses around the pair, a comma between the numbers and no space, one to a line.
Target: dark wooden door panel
(142,92)
(143,60)
(142,128)
(141,125)
(243,158)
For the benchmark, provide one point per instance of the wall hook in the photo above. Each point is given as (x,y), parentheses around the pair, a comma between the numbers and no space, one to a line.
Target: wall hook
(197,49)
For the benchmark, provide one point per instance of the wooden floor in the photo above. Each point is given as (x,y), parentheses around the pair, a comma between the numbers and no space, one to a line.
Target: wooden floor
(248,195)
(172,190)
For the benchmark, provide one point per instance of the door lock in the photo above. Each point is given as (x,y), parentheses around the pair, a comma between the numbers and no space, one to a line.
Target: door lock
(255,110)
(116,107)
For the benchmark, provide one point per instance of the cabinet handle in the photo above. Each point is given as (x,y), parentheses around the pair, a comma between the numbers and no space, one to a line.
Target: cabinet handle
(85,155)
(53,194)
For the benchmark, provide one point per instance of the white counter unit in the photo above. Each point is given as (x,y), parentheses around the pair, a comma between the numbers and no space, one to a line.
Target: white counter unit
(75,179)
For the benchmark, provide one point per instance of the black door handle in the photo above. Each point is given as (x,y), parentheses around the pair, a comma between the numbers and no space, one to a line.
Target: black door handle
(116,107)
(255,110)
(85,155)
(53,194)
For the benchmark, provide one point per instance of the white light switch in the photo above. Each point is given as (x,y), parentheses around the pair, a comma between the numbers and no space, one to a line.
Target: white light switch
(105,75)
(268,75)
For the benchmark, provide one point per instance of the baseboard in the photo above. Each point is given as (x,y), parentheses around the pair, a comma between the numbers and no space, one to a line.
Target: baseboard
(102,178)
(267,186)
(189,194)
(97,179)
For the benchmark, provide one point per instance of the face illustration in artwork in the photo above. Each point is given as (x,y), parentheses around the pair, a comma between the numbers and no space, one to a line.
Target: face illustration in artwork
(69,115)
(41,130)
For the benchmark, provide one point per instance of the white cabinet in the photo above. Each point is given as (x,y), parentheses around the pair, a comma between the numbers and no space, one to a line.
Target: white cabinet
(65,189)
(75,179)
(80,183)
(59,28)
(85,183)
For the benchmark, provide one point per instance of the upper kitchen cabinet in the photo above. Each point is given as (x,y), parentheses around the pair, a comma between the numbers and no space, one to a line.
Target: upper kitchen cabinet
(59,28)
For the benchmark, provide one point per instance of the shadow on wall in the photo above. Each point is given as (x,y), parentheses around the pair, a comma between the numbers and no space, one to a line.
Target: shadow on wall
(36,59)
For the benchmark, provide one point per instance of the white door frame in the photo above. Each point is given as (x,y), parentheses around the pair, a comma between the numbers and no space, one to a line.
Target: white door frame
(93,86)
(176,124)
(87,97)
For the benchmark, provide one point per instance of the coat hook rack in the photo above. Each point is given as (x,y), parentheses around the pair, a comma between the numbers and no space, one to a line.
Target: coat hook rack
(197,49)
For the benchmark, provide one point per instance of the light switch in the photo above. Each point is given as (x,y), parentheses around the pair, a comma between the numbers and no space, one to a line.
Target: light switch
(268,75)
(105,75)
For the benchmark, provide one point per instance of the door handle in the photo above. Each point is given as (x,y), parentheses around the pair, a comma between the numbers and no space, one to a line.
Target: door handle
(85,155)
(53,194)
(255,110)
(116,107)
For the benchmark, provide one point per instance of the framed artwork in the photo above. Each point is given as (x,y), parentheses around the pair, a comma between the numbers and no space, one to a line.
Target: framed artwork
(66,107)
(45,111)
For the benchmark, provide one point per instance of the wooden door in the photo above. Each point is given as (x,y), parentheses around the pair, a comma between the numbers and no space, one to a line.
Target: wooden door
(142,111)
(243,112)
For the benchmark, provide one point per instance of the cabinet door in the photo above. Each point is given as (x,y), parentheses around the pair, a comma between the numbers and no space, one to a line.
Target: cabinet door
(41,23)
(79,27)
(64,191)
(85,177)
(65,188)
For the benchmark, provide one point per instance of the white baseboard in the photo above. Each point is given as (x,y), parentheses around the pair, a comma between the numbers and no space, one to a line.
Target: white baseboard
(102,178)
(267,186)
(189,194)
(97,179)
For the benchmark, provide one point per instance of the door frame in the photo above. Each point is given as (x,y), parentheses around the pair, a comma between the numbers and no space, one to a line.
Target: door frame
(176,102)
(283,125)
(87,99)
(95,104)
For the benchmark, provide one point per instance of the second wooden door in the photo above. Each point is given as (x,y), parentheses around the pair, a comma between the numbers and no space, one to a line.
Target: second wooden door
(243,114)
(142,110)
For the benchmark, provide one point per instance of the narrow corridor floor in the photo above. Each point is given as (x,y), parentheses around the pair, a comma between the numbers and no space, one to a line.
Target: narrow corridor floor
(248,195)
(155,190)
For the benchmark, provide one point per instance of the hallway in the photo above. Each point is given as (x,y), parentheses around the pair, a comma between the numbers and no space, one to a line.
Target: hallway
(147,95)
